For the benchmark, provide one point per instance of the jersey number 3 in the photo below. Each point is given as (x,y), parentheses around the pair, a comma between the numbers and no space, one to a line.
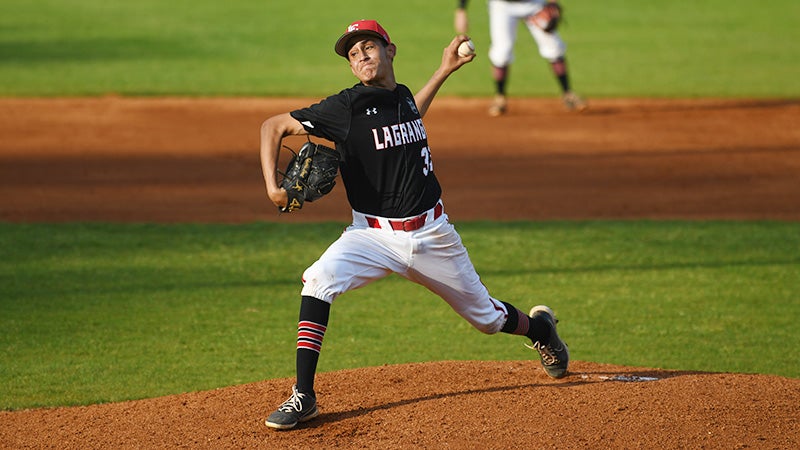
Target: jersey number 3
(426,156)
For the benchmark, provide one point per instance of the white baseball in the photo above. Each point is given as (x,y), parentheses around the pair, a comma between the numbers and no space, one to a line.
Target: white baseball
(466,48)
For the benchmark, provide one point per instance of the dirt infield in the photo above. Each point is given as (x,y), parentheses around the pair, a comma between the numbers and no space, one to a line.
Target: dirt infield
(176,160)
(196,160)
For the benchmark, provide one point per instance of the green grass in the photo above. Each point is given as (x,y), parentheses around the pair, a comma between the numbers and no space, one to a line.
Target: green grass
(96,312)
(243,47)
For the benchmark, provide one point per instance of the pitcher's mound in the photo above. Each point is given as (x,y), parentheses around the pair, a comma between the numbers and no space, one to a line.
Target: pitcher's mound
(438,405)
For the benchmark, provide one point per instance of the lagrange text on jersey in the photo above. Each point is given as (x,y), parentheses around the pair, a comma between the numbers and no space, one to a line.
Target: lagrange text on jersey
(399,134)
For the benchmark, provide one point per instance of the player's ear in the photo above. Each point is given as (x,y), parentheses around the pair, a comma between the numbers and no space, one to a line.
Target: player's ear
(391,51)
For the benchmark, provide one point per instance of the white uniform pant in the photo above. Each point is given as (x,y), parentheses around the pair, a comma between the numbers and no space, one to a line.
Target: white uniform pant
(432,256)
(504,17)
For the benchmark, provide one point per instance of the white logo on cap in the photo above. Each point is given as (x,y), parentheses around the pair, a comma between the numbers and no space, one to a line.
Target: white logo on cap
(352,27)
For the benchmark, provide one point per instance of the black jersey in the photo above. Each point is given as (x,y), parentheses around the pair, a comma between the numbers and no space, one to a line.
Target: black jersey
(386,162)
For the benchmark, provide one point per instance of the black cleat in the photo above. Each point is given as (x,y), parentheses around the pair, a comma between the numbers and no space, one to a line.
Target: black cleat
(555,354)
(300,407)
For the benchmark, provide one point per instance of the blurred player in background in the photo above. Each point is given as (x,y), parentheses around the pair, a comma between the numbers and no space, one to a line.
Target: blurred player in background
(504,18)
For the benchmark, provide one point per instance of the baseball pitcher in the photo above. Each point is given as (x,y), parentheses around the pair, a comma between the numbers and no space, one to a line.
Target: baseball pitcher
(399,220)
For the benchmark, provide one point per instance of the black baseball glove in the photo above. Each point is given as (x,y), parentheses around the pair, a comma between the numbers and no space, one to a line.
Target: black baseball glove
(310,175)
(548,17)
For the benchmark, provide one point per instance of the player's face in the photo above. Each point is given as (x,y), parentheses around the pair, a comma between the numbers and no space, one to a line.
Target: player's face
(371,62)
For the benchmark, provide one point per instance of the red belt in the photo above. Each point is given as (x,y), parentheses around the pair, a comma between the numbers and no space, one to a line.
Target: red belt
(414,223)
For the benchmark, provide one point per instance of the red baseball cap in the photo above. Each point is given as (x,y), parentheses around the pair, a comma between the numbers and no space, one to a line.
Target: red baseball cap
(357,28)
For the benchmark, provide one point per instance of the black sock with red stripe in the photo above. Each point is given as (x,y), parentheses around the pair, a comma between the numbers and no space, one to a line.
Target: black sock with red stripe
(311,329)
(520,324)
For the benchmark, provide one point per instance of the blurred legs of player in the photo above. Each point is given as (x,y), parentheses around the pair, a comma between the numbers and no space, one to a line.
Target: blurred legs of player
(500,102)
(572,101)
(504,17)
